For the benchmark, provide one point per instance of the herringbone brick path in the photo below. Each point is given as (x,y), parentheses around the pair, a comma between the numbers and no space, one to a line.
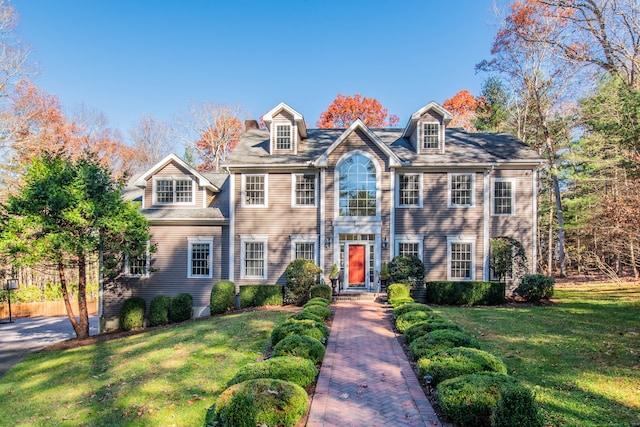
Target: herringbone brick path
(365,379)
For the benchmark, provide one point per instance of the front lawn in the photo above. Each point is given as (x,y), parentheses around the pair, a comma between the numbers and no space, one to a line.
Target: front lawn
(580,354)
(167,376)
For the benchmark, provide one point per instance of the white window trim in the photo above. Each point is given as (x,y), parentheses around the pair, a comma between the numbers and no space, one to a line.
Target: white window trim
(398,198)
(266,190)
(199,239)
(461,239)
(421,135)
(147,268)
(336,191)
(293,191)
(450,176)
(408,238)
(275,136)
(304,238)
(173,179)
(513,196)
(252,238)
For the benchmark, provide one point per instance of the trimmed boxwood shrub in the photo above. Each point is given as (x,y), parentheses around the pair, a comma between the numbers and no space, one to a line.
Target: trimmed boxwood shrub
(261,295)
(317,301)
(181,308)
(132,313)
(517,407)
(300,346)
(465,293)
(299,327)
(264,401)
(222,297)
(398,290)
(298,370)
(321,291)
(307,315)
(396,302)
(406,269)
(423,328)
(319,310)
(534,287)
(407,319)
(471,400)
(302,275)
(412,306)
(458,361)
(439,340)
(159,310)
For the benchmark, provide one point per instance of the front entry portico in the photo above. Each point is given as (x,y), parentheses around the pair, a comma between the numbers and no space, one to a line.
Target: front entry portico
(359,261)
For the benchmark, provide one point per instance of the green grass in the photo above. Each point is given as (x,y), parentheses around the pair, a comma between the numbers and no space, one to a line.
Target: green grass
(580,355)
(166,377)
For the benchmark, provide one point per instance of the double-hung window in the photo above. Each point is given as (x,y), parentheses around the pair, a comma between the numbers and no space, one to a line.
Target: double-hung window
(200,257)
(503,196)
(137,266)
(409,189)
(408,248)
(304,190)
(430,136)
(254,190)
(283,137)
(253,257)
(170,191)
(461,190)
(461,258)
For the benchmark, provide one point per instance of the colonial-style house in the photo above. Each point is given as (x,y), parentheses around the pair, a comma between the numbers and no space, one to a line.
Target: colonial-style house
(354,197)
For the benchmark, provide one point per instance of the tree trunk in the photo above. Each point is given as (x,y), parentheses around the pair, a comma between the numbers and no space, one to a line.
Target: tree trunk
(560,218)
(83,327)
(633,260)
(67,302)
(550,238)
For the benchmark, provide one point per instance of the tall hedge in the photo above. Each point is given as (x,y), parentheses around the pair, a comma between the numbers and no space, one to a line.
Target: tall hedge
(132,313)
(465,293)
(222,297)
(259,295)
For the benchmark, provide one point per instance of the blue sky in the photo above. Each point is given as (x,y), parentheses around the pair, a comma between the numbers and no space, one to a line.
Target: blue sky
(127,58)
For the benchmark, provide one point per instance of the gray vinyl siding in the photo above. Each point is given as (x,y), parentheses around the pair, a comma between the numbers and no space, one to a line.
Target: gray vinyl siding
(434,221)
(169,268)
(278,222)
(520,225)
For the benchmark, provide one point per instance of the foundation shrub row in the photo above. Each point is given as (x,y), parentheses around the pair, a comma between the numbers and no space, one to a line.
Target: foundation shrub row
(272,392)
(473,388)
(162,310)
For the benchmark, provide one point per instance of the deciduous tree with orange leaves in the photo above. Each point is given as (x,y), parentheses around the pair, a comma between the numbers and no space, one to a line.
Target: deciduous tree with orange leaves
(463,107)
(344,110)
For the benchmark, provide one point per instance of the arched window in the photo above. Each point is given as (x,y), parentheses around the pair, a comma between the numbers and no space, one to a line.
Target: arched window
(357,186)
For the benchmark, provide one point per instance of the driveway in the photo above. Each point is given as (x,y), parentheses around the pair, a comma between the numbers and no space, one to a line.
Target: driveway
(28,334)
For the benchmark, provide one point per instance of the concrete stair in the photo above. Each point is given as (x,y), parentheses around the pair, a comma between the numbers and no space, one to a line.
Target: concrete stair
(359,296)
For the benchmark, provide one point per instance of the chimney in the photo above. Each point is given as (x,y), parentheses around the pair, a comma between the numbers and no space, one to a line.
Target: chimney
(250,124)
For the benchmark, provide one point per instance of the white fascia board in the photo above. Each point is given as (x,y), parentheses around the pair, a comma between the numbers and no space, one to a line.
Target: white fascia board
(297,117)
(446,117)
(358,124)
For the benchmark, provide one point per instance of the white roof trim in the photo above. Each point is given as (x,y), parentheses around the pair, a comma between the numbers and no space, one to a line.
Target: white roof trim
(297,117)
(172,158)
(446,117)
(359,124)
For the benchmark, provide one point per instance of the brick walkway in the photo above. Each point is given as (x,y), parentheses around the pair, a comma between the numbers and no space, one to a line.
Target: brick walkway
(365,378)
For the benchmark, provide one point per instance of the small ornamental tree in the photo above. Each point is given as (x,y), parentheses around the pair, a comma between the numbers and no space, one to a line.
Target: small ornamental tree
(407,269)
(301,275)
(507,257)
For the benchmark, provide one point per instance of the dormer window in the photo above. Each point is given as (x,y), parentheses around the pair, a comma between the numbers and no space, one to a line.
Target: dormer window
(173,191)
(283,137)
(430,136)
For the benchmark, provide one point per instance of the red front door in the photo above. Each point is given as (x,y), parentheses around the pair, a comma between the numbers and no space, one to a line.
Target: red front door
(356,265)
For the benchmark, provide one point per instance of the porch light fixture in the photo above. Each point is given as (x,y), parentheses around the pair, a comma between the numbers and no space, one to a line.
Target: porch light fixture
(385,243)
(12,285)
(327,242)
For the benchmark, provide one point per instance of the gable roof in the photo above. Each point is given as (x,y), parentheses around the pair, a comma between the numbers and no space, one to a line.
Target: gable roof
(172,158)
(358,124)
(297,117)
(413,120)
